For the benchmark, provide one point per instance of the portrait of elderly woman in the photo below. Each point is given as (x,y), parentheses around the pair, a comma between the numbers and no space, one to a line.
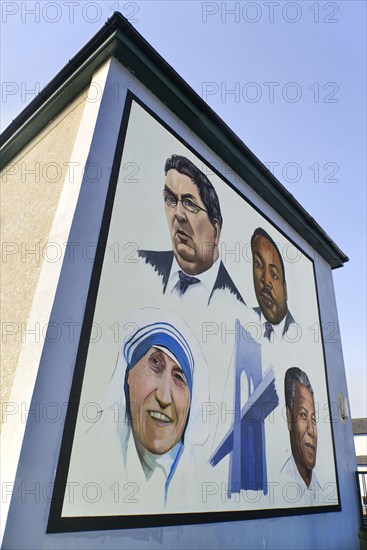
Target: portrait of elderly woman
(151,419)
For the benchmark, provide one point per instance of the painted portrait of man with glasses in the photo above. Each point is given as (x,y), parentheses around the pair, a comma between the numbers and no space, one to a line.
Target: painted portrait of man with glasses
(192,209)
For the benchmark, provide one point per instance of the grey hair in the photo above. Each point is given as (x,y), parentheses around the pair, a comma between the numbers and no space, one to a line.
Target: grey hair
(292,376)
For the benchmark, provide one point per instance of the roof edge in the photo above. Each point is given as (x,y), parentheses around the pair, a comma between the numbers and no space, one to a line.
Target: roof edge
(120,39)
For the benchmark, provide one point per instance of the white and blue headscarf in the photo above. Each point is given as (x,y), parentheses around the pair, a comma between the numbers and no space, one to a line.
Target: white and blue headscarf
(143,329)
(162,335)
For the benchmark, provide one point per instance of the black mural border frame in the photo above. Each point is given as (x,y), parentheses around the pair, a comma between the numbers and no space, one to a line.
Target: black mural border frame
(59,524)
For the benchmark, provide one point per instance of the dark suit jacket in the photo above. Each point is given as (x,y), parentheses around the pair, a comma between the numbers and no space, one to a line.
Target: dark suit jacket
(162,263)
(288,319)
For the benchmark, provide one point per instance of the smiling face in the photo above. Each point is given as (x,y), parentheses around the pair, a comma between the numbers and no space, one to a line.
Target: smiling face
(303,431)
(194,237)
(159,401)
(270,287)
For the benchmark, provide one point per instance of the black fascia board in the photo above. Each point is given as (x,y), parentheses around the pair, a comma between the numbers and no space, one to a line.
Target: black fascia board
(118,38)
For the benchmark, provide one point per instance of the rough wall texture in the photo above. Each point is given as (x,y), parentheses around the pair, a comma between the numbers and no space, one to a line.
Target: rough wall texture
(30,189)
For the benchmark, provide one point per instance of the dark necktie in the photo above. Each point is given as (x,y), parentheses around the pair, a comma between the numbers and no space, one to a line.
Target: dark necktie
(185,281)
(268,330)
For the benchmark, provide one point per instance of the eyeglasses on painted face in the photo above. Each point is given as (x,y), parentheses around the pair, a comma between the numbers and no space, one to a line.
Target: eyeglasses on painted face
(171,201)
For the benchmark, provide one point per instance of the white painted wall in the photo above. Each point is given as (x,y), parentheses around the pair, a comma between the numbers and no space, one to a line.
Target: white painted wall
(360,443)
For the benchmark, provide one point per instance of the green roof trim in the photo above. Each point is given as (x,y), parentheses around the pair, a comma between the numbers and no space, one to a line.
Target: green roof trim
(119,39)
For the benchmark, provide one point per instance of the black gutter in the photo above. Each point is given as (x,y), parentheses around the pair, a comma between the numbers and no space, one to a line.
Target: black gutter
(119,39)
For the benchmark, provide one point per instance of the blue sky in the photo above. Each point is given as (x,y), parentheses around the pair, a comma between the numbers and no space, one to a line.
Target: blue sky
(297,72)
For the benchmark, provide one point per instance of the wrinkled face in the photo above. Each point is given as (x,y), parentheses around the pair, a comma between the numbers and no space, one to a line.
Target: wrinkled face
(303,431)
(159,401)
(194,237)
(270,287)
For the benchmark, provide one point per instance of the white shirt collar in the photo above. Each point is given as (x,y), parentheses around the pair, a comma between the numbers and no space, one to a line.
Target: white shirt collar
(207,278)
(278,329)
(300,480)
(151,461)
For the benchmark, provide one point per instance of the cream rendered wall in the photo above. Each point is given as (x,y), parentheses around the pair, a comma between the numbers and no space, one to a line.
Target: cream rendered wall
(360,443)
(42,214)
(30,190)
